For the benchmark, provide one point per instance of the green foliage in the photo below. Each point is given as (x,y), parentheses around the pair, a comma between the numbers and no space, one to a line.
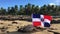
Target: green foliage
(31,8)
(2,11)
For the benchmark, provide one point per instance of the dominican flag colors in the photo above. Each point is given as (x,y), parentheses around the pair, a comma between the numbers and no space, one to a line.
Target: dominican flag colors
(41,20)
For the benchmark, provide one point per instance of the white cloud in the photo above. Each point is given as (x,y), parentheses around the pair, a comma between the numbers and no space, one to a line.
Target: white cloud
(39,6)
(52,4)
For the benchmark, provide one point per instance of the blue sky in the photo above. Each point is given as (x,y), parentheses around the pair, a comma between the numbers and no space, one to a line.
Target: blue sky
(10,3)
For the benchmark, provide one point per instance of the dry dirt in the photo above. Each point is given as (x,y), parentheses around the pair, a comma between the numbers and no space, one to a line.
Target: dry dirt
(12,28)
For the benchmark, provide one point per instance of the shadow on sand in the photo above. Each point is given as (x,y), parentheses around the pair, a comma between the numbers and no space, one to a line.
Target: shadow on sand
(17,33)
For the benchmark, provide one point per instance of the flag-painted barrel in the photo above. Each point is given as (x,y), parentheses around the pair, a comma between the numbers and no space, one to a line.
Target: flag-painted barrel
(41,20)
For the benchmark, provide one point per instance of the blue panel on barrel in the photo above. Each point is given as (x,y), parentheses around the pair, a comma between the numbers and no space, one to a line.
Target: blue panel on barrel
(36,15)
(46,24)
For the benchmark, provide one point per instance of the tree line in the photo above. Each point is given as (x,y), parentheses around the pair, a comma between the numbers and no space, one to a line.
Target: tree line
(31,8)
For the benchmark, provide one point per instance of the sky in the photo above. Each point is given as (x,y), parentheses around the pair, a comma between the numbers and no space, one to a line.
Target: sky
(10,3)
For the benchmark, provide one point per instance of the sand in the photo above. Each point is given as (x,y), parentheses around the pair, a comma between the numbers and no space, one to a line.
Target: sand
(12,28)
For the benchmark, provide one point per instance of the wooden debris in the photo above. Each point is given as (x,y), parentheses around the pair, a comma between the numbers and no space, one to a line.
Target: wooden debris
(30,28)
(1,23)
(55,31)
(14,22)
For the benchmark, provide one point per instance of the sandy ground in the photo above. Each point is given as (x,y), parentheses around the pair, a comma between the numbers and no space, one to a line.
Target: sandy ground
(12,28)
